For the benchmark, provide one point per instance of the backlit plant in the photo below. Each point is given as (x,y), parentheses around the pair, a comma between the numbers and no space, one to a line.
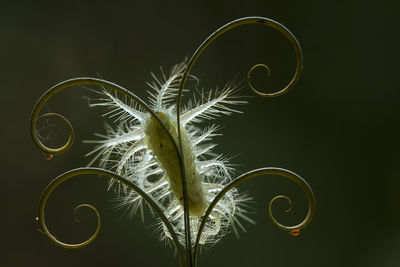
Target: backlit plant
(161,154)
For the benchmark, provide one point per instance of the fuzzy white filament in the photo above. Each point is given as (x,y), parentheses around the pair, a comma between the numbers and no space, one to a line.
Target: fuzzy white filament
(139,149)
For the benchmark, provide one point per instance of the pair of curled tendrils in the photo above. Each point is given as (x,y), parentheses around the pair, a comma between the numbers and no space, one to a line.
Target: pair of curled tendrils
(187,256)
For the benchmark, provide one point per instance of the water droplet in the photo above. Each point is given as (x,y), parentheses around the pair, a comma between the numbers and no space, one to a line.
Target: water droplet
(295,232)
(48,156)
(37,218)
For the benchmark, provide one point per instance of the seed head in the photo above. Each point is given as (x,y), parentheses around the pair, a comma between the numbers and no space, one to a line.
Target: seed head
(139,149)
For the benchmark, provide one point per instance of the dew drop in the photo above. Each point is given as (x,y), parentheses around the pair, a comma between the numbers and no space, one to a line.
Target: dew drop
(295,232)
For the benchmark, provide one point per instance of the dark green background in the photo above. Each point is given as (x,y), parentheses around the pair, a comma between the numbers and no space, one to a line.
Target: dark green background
(338,127)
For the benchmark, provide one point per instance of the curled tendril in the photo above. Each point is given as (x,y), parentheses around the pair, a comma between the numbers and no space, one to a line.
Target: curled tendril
(74,82)
(268,70)
(45,231)
(276,198)
(233,24)
(92,208)
(45,127)
(82,171)
(51,151)
(277,224)
(254,173)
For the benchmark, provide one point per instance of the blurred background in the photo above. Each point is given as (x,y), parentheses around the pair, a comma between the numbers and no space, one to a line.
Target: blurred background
(338,127)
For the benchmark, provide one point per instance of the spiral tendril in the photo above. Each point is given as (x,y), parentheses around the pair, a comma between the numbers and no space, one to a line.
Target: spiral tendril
(74,82)
(211,38)
(288,210)
(49,152)
(45,127)
(280,197)
(45,231)
(233,24)
(88,206)
(268,70)
(254,173)
(88,170)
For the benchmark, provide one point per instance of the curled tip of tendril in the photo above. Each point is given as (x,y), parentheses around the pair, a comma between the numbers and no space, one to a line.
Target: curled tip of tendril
(268,72)
(288,228)
(293,230)
(45,231)
(100,172)
(48,126)
(236,23)
(49,152)
(280,197)
(74,82)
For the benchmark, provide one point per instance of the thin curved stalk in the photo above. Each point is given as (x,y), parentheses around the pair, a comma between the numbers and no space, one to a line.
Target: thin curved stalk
(227,27)
(82,171)
(233,24)
(254,173)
